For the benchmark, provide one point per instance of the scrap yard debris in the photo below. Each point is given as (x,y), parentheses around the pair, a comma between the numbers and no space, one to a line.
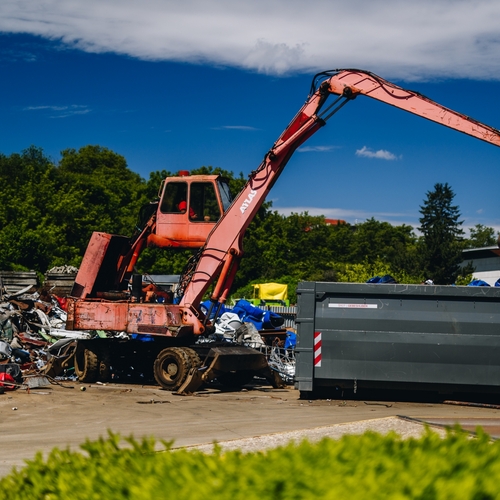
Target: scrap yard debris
(33,338)
(36,348)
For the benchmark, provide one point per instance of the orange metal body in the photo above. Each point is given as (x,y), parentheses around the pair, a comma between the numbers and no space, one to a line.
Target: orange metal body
(156,319)
(220,234)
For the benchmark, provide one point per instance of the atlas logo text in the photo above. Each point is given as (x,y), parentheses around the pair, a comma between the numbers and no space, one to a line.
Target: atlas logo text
(247,202)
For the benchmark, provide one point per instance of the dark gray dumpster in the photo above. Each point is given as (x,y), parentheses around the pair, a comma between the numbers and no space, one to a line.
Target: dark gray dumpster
(423,337)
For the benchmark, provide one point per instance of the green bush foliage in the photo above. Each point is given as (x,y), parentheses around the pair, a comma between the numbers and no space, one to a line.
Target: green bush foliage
(361,272)
(355,467)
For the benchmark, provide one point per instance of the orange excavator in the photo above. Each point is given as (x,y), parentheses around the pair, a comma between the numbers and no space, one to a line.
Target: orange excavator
(197,211)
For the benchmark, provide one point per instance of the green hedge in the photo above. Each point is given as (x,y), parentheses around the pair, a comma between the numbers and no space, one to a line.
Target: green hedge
(369,466)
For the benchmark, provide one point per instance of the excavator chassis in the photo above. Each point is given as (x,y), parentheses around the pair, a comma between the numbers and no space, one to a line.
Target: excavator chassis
(175,366)
(171,355)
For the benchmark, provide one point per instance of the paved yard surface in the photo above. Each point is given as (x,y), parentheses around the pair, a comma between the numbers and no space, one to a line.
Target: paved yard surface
(256,418)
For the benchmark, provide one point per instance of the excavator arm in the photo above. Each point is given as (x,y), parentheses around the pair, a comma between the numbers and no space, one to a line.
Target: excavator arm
(223,249)
(351,83)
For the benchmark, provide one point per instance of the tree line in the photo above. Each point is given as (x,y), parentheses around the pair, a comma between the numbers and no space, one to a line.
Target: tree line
(48,211)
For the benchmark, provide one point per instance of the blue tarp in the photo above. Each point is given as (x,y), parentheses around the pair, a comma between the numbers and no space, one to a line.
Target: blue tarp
(205,307)
(382,279)
(478,283)
(142,337)
(263,320)
(291,340)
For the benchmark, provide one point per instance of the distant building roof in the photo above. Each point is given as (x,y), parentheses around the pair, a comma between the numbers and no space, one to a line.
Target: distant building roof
(481,253)
(486,262)
(334,222)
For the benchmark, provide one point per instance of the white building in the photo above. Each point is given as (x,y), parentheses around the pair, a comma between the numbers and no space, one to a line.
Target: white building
(486,262)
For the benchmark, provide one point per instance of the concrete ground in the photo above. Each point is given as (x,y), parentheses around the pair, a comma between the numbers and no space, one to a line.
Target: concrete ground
(256,418)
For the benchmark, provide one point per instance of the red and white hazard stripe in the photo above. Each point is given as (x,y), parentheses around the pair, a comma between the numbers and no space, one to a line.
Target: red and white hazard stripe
(317,349)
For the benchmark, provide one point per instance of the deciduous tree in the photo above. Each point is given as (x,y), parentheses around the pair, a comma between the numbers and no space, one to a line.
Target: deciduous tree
(481,236)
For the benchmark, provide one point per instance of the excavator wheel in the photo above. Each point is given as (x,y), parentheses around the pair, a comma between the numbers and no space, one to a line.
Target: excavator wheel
(86,363)
(195,358)
(172,366)
(104,364)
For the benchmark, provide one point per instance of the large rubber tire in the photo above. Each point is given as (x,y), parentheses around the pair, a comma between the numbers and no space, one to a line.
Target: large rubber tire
(171,367)
(194,356)
(86,363)
(104,364)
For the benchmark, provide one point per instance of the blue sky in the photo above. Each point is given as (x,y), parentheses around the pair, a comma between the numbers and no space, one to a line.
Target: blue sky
(176,86)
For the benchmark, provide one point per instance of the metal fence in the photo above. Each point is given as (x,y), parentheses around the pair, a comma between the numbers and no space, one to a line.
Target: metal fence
(14,281)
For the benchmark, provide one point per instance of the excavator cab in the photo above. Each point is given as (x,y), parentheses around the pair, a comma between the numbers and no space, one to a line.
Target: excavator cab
(190,206)
(188,209)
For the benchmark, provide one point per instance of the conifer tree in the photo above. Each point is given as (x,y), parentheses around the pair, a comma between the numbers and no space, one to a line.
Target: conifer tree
(442,241)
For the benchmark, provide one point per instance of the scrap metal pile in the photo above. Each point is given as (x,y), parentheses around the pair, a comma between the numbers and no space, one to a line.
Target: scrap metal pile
(257,328)
(33,338)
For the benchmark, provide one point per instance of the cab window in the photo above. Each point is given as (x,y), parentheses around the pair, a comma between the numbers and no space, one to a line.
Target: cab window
(204,203)
(174,198)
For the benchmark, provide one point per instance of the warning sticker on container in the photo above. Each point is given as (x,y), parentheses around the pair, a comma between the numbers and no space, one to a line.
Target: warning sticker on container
(317,349)
(354,306)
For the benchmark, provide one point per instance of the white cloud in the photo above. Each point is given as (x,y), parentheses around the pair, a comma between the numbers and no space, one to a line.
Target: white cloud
(399,39)
(330,213)
(353,216)
(17,55)
(394,218)
(316,149)
(52,108)
(234,127)
(61,111)
(381,154)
